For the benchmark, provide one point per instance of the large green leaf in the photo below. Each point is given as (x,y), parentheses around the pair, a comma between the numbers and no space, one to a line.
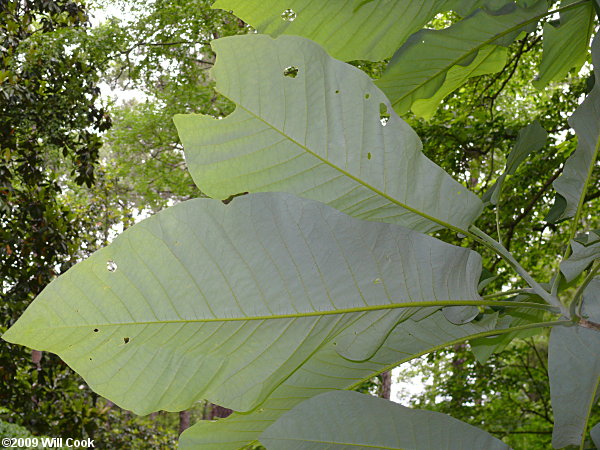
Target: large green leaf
(327,370)
(318,135)
(224,302)
(347,29)
(582,255)
(572,183)
(566,45)
(419,68)
(574,371)
(346,420)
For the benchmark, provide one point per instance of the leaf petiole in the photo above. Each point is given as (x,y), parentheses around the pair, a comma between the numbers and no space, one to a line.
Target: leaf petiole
(509,258)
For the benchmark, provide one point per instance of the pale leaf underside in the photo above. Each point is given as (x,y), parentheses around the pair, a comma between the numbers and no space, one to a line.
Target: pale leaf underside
(577,171)
(345,420)
(318,135)
(224,302)
(326,371)
(574,371)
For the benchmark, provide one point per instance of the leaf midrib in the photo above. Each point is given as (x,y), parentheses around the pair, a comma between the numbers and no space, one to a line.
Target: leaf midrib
(368,308)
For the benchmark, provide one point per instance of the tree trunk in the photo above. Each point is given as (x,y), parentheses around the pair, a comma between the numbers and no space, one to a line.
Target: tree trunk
(36,358)
(385,388)
(218,412)
(184,421)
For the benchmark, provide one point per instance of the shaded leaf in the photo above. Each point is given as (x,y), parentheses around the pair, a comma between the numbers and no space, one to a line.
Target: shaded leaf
(318,135)
(565,46)
(588,237)
(420,67)
(224,302)
(570,185)
(574,371)
(346,420)
(582,256)
(486,278)
(530,139)
(488,60)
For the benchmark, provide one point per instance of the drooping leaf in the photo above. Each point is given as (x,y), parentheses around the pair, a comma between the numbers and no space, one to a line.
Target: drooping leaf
(582,255)
(224,302)
(325,371)
(419,68)
(460,314)
(488,60)
(347,29)
(574,371)
(565,46)
(344,419)
(486,278)
(530,139)
(485,347)
(587,238)
(571,184)
(318,135)
(361,340)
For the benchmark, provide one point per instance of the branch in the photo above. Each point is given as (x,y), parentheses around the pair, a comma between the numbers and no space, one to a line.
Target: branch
(536,387)
(537,354)
(488,178)
(589,324)
(160,44)
(515,63)
(529,207)
(593,196)
(127,51)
